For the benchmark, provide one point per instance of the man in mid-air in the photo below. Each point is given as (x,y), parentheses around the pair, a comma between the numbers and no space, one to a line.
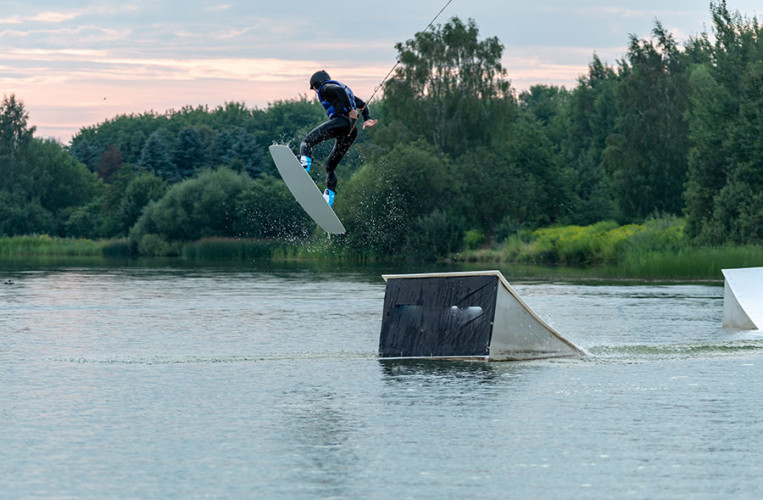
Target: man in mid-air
(343,110)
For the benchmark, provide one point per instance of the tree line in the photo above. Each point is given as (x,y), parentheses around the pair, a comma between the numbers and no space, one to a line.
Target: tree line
(671,129)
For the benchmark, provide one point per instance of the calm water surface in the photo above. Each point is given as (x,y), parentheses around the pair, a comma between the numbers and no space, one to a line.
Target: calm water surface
(146,382)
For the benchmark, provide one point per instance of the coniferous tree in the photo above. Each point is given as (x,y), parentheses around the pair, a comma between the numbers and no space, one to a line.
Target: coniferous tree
(157,158)
(189,152)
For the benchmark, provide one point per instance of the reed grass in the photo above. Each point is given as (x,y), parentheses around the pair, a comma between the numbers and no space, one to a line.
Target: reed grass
(234,249)
(23,246)
(690,263)
(241,249)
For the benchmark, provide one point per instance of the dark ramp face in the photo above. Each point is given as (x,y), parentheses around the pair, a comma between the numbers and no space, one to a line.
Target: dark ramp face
(438,316)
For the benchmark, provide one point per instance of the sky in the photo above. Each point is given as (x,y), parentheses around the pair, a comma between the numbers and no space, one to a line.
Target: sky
(76,63)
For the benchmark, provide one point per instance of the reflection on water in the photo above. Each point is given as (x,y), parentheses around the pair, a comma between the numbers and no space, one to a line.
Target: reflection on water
(403,371)
(185,382)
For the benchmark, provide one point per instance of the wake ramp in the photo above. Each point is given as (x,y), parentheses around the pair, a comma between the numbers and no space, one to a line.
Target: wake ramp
(471,315)
(743,298)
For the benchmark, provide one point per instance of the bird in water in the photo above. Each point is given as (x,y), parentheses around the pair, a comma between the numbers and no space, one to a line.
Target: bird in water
(9,282)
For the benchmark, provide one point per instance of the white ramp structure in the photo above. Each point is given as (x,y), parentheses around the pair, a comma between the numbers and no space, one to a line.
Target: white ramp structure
(743,298)
(463,316)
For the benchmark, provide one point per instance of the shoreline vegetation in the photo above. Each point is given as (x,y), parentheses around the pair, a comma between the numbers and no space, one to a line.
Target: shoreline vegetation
(657,249)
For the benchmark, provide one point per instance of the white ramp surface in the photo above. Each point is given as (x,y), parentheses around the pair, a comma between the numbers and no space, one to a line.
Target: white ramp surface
(743,298)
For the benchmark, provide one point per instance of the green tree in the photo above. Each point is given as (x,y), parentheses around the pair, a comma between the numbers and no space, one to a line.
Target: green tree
(244,149)
(127,133)
(588,118)
(724,180)
(451,88)
(544,104)
(646,157)
(15,138)
(738,207)
(60,182)
(41,183)
(288,121)
(519,179)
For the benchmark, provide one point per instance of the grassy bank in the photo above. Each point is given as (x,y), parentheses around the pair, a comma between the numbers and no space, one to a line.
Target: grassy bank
(656,249)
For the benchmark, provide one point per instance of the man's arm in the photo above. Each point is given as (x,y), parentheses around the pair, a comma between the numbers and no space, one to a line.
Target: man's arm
(363,108)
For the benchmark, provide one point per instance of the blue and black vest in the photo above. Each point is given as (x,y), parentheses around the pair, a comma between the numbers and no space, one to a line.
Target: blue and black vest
(328,106)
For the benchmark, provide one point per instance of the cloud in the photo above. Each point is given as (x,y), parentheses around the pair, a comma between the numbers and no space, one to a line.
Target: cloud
(11,20)
(54,17)
(49,17)
(51,54)
(83,35)
(58,17)
(218,8)
(615,12)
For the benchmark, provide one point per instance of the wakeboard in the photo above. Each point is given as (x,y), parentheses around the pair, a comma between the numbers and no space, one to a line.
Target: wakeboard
(304,189)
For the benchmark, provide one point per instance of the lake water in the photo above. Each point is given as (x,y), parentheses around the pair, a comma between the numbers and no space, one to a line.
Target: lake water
(182,382)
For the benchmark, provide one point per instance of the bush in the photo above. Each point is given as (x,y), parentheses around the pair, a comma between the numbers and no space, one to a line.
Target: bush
(382,201)
(434,236)
(508,226)
(153,245)
(268,210)
(601,243)
(474,239)
(19,216)
(139,192)
(202,207)
(85,221)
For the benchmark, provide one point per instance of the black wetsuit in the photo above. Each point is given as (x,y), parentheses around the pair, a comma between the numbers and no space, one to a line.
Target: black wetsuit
(338,104)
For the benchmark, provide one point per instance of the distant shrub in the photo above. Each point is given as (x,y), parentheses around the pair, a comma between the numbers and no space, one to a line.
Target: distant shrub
(508,226)
(267,210)
(433,237)
(86,221)
(473,239)
(153,245)
(202,207)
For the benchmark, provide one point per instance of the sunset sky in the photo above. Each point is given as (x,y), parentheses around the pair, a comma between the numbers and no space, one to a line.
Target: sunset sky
(78,63)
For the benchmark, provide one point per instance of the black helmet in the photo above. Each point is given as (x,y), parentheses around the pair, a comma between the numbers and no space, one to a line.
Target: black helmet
(318,78)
